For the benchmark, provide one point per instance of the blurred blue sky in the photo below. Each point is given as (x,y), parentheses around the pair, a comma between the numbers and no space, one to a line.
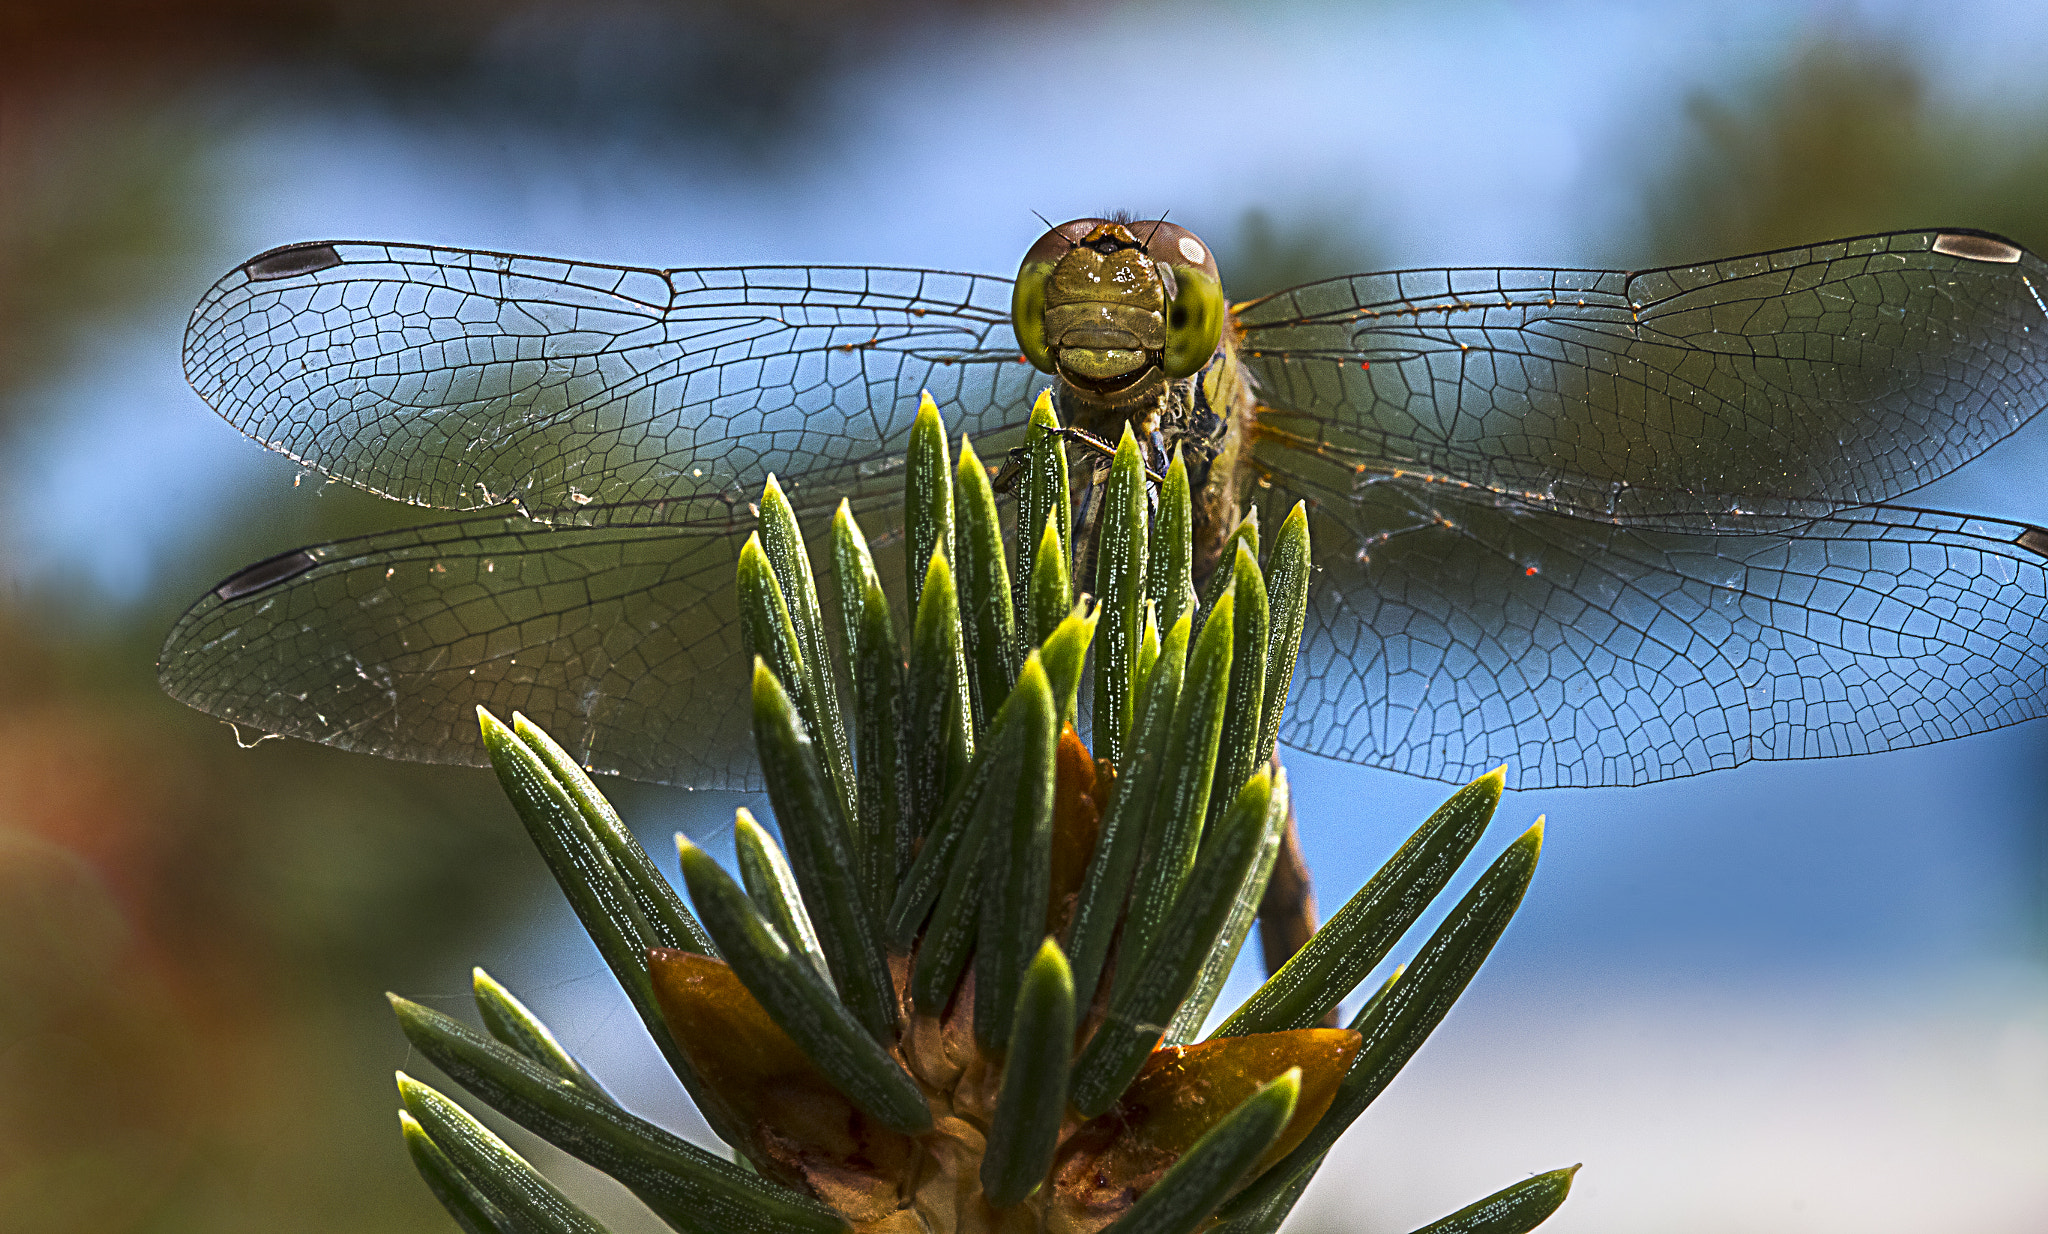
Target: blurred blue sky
(1454,134)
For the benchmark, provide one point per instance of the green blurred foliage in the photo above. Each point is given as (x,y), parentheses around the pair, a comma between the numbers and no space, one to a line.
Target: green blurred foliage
(191,939)
(1845,138)
(1266,252)
(101,215)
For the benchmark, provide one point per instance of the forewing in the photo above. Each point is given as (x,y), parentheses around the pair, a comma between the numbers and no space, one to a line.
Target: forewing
(1850,371)
(464,379)
(615,629)
(1452,630)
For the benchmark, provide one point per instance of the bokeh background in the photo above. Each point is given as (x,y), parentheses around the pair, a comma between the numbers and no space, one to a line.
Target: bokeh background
(1789,997)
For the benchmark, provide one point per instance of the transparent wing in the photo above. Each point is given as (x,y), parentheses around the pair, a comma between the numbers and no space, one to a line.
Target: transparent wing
(1452,630)
(464,379)
(1851,371)
(616,628)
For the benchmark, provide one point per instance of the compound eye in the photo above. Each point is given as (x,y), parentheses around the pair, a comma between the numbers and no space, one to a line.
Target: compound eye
(1027,298)
(1059,241)
(1027,312)
(1194,322)
(1171,245)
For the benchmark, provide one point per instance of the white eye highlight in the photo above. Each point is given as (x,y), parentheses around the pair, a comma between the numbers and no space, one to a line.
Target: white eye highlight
(1191,249)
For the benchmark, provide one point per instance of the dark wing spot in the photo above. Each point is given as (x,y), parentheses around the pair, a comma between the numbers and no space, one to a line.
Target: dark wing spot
(289,260)
(266,573)
(2034,540)
(1976,248)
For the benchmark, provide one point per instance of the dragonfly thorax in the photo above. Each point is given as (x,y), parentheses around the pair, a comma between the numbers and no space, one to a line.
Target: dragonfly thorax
(1203,418)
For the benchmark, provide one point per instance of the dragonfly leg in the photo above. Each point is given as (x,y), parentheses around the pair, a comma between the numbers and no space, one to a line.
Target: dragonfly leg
(1097,445)
(1013,466)
(1088,441)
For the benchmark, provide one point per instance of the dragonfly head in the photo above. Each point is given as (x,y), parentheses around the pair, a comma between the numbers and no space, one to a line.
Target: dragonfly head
(1118,308)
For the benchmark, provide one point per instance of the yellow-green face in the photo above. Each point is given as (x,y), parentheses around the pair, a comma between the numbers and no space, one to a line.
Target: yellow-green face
(1118,309)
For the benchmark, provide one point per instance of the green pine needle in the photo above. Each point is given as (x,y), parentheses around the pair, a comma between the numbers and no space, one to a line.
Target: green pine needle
(928,497)
(1352,943)
(820,852)
(503,1185)
(882,836)
(1120,846)
(671,1175)
(1017,858)
(1173,833)
(1243,715)
(941,711)
(772,887)
(1396,1024)
(987,609)
(1170,568)
(782,541)
(668,921)
(800,1002)
(1120,565)
(507,1019)
(1511,1210)
(1033,1100)
(463,1199)
(1147,993)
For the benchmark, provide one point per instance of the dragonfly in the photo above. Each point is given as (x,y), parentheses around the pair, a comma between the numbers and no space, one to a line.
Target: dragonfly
(1606,527)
